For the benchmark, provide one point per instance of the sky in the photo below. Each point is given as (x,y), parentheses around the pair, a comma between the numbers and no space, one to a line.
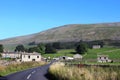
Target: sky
(23,17)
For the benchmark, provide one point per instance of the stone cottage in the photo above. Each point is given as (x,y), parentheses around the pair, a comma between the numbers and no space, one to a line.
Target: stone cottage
(103,58)
(11,55)
(30,57)
(22,56)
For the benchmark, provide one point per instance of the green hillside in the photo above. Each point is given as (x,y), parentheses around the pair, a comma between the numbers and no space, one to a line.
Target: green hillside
(71,32)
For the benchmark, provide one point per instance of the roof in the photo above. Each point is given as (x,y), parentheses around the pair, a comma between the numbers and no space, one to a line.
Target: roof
(77,56)
(34,53)
(24,53)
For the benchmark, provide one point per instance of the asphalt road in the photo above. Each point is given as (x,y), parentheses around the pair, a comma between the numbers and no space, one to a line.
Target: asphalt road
(38,73)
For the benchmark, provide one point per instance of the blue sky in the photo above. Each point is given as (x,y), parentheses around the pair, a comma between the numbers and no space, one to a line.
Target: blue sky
(23,17)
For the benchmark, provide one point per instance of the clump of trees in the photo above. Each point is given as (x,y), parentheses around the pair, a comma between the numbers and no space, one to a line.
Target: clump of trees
(50,48)
(20,48)
(44,48)
(40,48)
(97,42)
(81,48)
(1,48)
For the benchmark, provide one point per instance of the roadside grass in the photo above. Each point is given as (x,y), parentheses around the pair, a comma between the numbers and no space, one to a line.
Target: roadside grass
(12,68)
(60,72)
(104,64)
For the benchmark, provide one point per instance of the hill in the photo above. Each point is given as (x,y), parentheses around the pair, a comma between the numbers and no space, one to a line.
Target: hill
(71,32)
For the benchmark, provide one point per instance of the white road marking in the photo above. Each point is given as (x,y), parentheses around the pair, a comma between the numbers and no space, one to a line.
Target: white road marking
(33,72)
(29,76)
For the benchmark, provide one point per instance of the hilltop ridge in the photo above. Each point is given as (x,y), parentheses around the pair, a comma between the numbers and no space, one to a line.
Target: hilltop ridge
(71,32)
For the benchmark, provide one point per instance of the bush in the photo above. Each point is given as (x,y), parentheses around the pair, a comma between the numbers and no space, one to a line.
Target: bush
(50,49)
(81,48)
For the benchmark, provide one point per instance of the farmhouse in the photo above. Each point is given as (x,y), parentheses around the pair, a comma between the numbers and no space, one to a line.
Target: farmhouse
(66,58)
(103,58)
(30,57)
(10,55)
(22,56)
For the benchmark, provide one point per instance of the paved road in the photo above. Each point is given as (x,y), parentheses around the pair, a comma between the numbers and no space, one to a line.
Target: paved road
(30,74)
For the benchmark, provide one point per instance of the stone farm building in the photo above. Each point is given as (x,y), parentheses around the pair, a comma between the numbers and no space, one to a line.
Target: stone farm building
(77,56)
(31,57)
(22,56)
(103,58)
(96,46)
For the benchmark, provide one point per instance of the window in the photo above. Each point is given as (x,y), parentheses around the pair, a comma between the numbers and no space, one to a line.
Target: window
(29,57)
(37,56)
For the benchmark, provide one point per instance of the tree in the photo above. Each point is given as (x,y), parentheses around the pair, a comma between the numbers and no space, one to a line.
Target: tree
(33,49)
(32,43)
(0,55)
(20,48)
(50,49)
(1,48)
(81,48)
(57,45)
(41,48)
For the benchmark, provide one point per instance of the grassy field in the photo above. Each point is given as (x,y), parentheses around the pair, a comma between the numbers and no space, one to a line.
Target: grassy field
(61,72)
(113,53)
(71,72)
(91,55)
(65,52)
(11,47)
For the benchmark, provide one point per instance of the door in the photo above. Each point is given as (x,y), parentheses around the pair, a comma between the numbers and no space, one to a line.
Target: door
(33,59)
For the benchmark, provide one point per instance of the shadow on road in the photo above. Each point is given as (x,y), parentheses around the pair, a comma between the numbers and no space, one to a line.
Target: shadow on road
(50,77)
(3,78)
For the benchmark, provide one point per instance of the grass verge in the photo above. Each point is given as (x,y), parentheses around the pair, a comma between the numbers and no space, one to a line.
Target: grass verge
(11,68)
(59,72)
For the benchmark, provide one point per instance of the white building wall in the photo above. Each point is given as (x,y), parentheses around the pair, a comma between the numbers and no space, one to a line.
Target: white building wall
(96,46)
(31,58)
(23,56)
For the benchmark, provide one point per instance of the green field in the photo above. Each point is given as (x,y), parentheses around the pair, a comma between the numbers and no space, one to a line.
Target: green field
(64,52)
(11,47)
(113,53)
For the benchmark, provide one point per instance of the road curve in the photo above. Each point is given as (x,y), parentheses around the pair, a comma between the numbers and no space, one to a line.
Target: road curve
(30,74)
